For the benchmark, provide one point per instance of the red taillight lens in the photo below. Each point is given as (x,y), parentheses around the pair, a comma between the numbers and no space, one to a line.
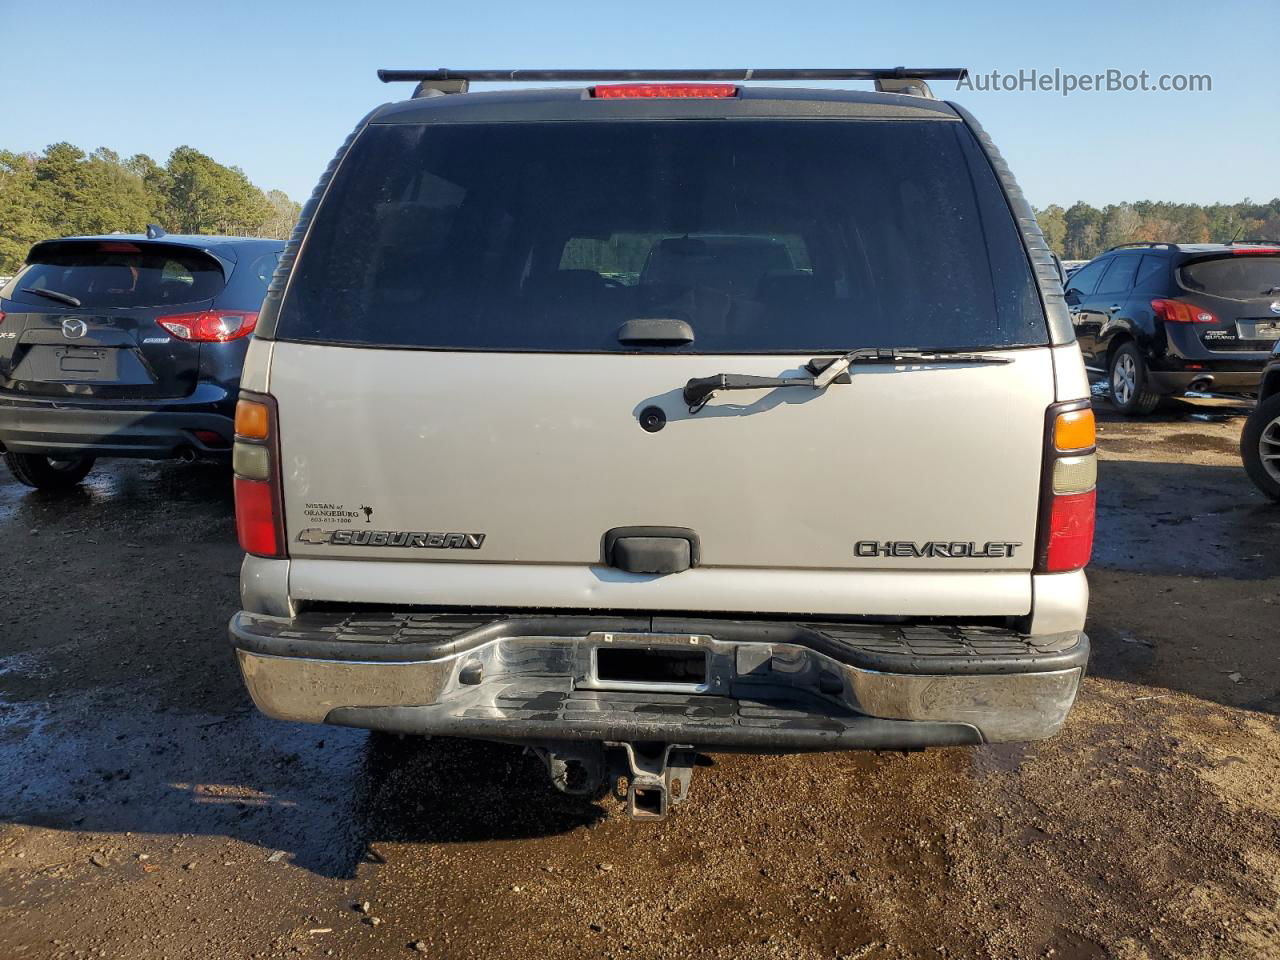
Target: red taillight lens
(624,91)
(210,326)
(255,458)
(1069,495)
(1178,311)
(1245,251)
(1069,541)
(255,518)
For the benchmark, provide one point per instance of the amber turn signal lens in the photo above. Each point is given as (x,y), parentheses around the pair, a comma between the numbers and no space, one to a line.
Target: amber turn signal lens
(251,420)
(1075,430)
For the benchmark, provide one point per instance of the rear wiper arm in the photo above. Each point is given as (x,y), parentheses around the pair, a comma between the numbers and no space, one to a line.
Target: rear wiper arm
(824,372)
(701,389)
(66,298)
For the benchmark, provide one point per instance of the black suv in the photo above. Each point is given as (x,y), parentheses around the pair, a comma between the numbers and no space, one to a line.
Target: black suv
(1260,440)
(125,346)
(1164,318)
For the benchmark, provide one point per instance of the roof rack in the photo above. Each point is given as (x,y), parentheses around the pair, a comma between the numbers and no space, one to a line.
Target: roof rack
(1142,243)
(907,80)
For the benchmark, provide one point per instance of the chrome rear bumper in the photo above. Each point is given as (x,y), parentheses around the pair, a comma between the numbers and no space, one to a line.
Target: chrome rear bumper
(762,686)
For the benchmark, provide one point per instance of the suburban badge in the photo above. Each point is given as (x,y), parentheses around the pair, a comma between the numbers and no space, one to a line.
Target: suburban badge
(392,538)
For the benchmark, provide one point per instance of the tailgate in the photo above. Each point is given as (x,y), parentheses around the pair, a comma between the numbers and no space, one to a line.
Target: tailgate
(527,458)
(1242,292)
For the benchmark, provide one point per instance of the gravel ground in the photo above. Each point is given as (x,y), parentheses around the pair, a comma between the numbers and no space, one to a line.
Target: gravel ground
(147,811)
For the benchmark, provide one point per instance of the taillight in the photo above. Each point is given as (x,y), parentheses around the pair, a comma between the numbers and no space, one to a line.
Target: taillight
(1245,251)
(210,326)
(1068,499)
(255,458)
(1179,311)
(643,91)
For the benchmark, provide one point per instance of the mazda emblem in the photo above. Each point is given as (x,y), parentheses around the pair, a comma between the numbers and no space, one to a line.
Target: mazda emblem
(73,328)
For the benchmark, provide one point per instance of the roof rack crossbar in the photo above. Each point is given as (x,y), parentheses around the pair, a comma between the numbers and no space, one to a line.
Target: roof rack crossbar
(888,79)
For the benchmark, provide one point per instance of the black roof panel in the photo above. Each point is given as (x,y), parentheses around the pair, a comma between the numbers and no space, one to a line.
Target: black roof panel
(576,103)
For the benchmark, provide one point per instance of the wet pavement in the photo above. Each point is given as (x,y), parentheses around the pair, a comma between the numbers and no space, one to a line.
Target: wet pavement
(146,810)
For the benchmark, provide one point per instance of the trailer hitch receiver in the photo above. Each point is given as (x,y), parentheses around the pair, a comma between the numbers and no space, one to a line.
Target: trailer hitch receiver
(658,776)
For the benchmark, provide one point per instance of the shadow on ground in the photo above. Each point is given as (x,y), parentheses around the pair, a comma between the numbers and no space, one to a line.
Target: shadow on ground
(1186,582)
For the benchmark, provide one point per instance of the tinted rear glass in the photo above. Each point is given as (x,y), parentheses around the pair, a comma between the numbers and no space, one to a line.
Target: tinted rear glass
(119,275)
(1239,277)
(765,236)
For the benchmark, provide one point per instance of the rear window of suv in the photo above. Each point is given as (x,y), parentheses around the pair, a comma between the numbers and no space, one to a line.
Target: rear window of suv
(764,235)
(118,274)
(1236,277)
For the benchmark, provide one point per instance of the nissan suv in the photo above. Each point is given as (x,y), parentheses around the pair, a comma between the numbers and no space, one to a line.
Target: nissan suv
(125,346)
(633,420)
(1158,319)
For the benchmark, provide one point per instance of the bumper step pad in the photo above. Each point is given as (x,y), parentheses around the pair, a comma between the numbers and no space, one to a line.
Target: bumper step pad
(893,648)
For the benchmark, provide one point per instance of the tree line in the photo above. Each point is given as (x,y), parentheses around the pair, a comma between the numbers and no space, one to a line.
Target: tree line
(1081,232)
(64,191)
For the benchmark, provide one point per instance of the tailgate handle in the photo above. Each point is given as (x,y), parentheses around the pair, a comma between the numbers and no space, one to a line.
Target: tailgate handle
(650,549)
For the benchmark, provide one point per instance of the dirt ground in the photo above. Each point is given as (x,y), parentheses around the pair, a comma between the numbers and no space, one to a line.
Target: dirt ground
(147,811)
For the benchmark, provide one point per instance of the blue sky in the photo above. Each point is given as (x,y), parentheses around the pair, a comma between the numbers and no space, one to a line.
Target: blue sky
(273,87)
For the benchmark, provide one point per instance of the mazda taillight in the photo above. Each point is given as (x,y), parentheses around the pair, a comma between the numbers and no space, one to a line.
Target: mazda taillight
(210,326)
(1069,497)
(255,458)
(1179,311)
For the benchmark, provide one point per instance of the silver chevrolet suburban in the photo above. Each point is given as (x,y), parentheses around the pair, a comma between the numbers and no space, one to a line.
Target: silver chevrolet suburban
(666,413)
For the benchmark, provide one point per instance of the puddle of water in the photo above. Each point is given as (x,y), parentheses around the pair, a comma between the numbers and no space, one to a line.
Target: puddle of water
(120,484)
(114,764)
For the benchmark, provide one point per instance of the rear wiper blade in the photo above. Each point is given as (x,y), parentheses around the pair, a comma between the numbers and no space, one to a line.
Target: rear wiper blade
(825,372)
(66,298)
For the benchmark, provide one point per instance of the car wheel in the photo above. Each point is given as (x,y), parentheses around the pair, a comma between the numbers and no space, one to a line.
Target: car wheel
(1260,446)
(48,473)
(1130,393)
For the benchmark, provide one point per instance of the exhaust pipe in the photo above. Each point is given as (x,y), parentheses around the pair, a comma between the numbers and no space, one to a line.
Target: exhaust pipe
(1200,384)
(186,454)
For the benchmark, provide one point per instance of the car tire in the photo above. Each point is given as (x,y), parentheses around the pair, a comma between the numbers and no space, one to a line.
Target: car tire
(1131,393)
(46,473)
(1261,438)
